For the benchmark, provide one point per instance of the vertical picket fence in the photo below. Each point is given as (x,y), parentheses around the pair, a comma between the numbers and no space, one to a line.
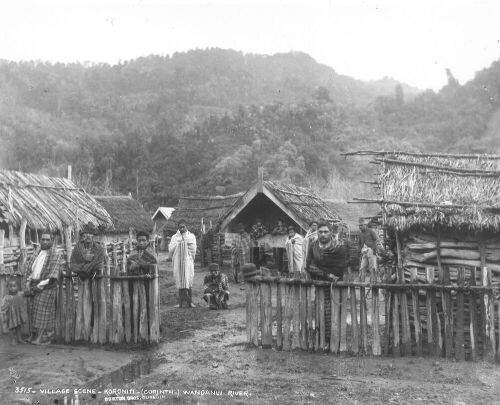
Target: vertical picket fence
(113,308)
(374,318)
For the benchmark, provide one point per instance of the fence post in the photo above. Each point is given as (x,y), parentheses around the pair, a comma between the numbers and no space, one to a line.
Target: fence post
(126,296)
(416,313)
(154,327)
(279,317)
(473,317)
(363,321)
(376,348)
(354,317)
(266,318)
(70,292)
(459,335)
(3,275)
(489,325)
(403,298)
(117,322)
(335,326)
(311,317)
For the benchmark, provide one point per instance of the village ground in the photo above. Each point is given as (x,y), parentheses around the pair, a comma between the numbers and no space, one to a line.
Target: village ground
(203,358)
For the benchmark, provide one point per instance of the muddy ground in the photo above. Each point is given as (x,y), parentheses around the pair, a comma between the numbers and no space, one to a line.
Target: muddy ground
(203,358)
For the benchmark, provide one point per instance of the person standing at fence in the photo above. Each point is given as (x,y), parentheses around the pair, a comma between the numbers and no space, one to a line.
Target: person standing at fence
(278,252)
(240,251)
(258,231)
(327,254)
(216,289)
(182,251)
(369,246)
(142,259)
(43,271)
(311,236)
(13,311)
(294,252)
(87,258)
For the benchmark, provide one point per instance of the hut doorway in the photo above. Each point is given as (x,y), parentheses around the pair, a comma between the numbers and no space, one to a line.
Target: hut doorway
(261,207)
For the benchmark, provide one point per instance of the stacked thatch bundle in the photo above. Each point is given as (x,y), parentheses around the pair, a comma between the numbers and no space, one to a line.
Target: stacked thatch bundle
(460,192)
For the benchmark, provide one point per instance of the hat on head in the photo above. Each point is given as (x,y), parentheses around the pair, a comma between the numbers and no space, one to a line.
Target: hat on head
(181,222)
(363,221)
(213,267)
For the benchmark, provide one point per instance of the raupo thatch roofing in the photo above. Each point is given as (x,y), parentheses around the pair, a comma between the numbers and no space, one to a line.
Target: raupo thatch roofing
(47,202)
(299,203)
(194,209)
(126,213)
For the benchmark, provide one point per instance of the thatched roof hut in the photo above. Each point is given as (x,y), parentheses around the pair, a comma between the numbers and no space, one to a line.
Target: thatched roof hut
(47,202)
(126,213)
(195,209)
(272,201)
(426,191)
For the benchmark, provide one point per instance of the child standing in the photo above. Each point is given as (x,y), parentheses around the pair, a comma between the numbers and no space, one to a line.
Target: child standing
(13,310)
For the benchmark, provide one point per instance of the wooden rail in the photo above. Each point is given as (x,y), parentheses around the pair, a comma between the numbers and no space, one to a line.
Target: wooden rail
(453,320)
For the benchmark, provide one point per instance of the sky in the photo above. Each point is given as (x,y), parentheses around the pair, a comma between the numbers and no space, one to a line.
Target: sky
(413,41)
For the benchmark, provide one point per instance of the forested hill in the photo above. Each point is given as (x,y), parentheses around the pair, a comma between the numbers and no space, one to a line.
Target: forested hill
(161,127)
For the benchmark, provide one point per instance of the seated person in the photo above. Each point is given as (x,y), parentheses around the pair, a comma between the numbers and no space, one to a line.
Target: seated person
(327,254)
(141,260)
(216,289)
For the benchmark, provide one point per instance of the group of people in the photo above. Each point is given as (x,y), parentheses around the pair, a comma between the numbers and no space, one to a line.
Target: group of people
(43,269)
(319,254)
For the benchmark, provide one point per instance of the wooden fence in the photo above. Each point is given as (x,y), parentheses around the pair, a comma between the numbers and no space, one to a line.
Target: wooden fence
(114,307)
(398,319)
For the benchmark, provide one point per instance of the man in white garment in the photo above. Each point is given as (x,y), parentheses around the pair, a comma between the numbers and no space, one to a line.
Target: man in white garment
(182,251)
(294,252)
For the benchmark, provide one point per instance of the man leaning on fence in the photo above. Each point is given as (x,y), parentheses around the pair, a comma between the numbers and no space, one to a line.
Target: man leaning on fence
(369,245)
(43,271)
(327,257)
(87,258)
(141,260)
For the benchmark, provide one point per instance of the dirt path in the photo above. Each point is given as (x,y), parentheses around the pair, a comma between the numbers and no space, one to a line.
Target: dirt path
(203,359)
